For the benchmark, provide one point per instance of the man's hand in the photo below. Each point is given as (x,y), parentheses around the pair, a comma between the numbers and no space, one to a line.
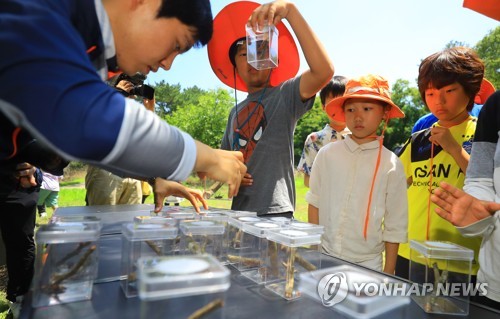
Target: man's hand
(460,208)
(25,174)
(163,188)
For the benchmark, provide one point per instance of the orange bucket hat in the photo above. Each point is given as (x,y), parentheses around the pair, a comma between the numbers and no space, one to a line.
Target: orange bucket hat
(486,89)
(229,26)
(368,86)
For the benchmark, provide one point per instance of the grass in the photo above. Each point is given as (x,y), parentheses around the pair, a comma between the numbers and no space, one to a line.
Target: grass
(72,193)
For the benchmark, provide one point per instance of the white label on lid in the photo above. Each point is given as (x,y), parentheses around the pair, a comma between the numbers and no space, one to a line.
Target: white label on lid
(290,232)
(302,225)
(266,225)
(182,266)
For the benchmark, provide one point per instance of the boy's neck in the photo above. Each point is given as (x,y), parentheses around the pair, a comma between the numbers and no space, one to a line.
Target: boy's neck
(459,119)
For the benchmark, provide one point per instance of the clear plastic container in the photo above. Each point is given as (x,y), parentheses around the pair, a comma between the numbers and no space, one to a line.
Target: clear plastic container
(262,47)
(254,250)
(202,237)
(182,286)
(290,253)
(339,288)
(66,262)
(440,266)
(143,240)
(234,234)
(221,218)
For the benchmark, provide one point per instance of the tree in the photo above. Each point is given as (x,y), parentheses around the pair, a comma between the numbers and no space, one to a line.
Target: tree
(409,100)
(489,51)
(204,119)
(168,98)
(312,121)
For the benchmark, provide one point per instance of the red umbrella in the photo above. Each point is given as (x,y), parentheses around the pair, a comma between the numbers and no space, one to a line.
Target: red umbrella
(490,8)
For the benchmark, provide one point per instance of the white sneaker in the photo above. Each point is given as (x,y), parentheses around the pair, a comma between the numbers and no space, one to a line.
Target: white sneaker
(15,307)
(43,215)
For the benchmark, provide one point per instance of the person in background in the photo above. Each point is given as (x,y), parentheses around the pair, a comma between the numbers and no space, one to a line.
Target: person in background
(262,125)
(475,212)
(49,193)
(448,81)
(357,189)
(19,190)
(332,131)
(485,91)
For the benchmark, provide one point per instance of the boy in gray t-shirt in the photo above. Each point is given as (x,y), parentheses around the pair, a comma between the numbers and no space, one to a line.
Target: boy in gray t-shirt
(262,125)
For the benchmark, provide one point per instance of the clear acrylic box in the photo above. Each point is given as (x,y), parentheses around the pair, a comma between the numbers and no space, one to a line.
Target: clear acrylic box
(290,253)
(254,249)
(338,288)
(66,262)
(221,218)
(436,265)
(191,286)
(202,237)
(234,234)
(143,240)
(262,47)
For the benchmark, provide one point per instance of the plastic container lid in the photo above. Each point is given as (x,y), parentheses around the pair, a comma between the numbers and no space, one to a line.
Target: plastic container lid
(218,216)
(442,250)
(294,237)
(260,228)
(237,213)
(311,228)
(315,283)
(202,227)
(77,219)
(145,231)
(238,221)
(181,215)
(165,277)
(68,232)
(280,220)
(155,220)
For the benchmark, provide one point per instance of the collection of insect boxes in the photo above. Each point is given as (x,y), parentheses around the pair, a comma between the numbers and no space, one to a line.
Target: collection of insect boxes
(179,254)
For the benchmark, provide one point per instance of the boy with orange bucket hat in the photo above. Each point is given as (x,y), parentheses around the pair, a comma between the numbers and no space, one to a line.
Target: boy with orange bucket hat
(262,125)
(369,214)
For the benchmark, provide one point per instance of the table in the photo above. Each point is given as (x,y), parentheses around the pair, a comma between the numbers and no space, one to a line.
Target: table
(245,299)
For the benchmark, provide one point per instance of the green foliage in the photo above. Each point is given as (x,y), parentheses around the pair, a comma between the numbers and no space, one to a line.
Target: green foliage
(312,121)
(168,98)
(204,119)
(409,100)
(489,51)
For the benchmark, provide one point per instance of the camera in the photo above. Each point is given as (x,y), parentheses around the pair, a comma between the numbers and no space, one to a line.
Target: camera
(139,89)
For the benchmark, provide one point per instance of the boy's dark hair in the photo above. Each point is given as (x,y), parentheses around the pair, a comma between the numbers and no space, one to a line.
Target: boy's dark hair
(193,13)
(336,87)
(233,49)
(458,64)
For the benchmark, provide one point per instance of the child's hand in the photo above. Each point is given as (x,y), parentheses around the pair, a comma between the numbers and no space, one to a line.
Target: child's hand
(247,180)
(441,136)
(272,12)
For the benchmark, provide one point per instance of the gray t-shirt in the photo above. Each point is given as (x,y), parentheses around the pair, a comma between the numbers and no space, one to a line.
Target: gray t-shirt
(262,127)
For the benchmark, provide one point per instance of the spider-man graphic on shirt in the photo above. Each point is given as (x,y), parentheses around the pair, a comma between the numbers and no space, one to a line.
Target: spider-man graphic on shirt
(249,125)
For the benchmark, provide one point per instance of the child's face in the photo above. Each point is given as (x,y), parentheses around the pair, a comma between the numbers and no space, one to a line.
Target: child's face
(448,104)
(338,125)
(253,78)
(363,116)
